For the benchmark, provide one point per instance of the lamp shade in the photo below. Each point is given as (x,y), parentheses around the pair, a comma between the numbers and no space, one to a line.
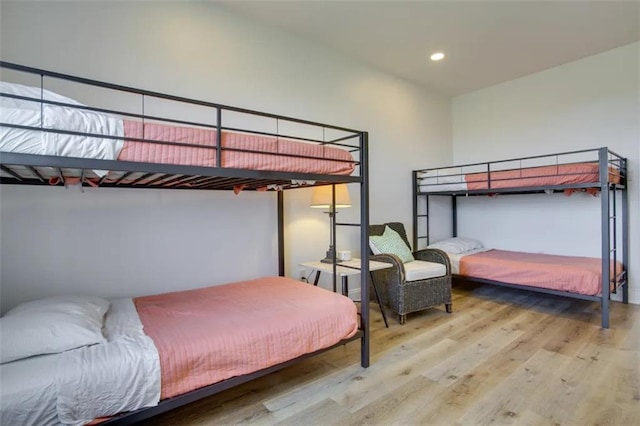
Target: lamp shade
(321,198)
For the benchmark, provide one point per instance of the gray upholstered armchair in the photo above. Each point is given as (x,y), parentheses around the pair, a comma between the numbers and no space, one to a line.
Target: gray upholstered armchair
(414,286)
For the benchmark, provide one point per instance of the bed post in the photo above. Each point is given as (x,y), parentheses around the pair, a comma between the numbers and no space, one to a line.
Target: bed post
(280,233)
(364,248)
(427,216)
(414,175)
(625,232)
(603,156)
(219,137)
(454,207)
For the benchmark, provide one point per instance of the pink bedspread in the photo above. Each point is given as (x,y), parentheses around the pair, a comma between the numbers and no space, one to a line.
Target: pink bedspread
(208,335)
(271,156)
(563,174)
(563,273)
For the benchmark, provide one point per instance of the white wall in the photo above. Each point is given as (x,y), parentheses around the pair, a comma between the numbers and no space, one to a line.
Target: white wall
(133,242)
(589,103)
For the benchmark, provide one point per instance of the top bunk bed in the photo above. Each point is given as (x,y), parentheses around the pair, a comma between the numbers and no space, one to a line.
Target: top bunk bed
(58,129)
(586,170)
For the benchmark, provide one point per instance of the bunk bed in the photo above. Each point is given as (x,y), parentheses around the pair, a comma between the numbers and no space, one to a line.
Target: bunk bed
(49,139)
(600,172)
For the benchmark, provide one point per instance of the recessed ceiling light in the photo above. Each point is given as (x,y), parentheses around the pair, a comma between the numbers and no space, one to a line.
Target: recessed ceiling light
(437,56)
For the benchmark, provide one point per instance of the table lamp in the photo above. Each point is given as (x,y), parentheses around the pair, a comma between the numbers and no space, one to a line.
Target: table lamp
(323,198)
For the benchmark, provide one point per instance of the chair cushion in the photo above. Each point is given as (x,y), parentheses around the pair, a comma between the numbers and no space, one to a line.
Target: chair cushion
(390,242)
(421,270)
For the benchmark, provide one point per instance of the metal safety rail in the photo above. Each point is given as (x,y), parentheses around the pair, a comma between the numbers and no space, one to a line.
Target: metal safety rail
(20,168)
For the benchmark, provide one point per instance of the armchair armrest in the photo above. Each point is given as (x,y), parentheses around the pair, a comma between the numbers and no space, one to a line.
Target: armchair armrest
(398,266)
(388,278)
(434,255)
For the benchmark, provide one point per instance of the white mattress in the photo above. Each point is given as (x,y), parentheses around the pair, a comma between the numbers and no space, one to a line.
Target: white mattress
(455,258)
(47,116)
(76,386)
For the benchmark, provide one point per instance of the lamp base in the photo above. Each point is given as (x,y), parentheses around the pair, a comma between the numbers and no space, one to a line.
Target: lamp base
(330,260)
(329,257)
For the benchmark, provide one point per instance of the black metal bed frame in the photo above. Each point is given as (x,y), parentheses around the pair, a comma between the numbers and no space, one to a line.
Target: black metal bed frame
(608,163)
(30,169)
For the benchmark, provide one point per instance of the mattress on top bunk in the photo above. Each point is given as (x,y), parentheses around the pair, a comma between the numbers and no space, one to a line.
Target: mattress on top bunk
(208,335)
(274,154)
(581,275)
(21,112)
(452,179)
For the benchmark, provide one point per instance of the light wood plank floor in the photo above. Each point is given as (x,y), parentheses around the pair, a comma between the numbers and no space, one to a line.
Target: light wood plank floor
(503,357)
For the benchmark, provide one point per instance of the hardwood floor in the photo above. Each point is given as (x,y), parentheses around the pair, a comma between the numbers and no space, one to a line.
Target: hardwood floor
(503,357)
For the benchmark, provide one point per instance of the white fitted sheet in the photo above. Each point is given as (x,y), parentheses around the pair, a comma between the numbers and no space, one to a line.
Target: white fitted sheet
(76,386)
(450,179)
(443,187)
(455,258)
(47,116)
(28,391)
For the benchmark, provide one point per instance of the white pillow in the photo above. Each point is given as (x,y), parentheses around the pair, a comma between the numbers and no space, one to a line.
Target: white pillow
(51,325)
(30,92)
(457,245)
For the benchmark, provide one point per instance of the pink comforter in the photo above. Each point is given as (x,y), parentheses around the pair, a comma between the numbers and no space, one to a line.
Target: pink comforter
(273,153)
(563,273)
(208,335)
(562,174)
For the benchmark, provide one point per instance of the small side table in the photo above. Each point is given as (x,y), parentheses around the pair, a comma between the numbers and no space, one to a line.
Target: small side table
(344,270)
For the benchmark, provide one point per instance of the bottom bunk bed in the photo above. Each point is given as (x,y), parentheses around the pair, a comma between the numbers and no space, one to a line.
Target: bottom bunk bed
(160,352)
(570,276)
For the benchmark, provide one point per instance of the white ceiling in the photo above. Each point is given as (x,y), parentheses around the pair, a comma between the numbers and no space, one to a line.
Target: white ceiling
(485,42)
